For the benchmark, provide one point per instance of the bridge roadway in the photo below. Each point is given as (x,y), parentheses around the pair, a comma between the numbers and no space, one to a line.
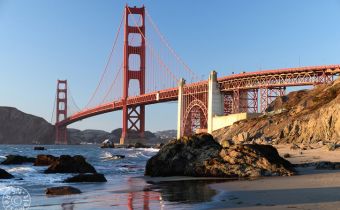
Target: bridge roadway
(301,76)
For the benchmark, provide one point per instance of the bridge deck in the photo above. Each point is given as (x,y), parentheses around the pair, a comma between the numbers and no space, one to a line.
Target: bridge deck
(253,80)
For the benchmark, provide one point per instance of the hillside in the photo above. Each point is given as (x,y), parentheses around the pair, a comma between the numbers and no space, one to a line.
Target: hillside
(306,116)
(17,127)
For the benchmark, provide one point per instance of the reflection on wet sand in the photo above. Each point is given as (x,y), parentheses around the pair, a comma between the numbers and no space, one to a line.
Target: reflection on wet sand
(158,195)
(188,191)
(67,206)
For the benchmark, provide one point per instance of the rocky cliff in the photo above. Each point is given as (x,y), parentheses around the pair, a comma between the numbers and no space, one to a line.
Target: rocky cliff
(17,127)
(306,116)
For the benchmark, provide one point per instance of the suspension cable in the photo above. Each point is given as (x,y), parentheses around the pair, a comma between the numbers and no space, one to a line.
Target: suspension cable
(108,62)
(146,40)
(72,99)
(186,67)
(54,106)
(113,83)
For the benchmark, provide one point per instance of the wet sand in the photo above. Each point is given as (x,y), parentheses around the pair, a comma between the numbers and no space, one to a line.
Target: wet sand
(310,189)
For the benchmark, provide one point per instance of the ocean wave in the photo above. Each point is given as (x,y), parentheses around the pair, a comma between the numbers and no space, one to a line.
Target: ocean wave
(106,155)
(58,149)
(21,169)
(139,155)
(110,156)
(148,149)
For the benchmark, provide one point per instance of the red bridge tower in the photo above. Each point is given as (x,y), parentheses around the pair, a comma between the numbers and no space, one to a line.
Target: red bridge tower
(61,113)
(134,116)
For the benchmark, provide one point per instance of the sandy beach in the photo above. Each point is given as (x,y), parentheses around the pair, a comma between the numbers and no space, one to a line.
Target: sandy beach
(310,189)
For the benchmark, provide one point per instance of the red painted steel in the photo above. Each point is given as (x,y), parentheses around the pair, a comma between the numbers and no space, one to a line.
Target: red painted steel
(195,106)
(247,81)
(61,112)
(133,116)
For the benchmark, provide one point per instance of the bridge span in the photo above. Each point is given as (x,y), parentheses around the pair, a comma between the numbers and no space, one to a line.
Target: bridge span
(198,102)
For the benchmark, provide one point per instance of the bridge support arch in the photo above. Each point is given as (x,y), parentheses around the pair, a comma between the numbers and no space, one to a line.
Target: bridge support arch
(197,105)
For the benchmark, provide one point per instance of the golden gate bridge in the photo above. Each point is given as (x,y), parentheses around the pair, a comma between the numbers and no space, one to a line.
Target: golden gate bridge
(143,69)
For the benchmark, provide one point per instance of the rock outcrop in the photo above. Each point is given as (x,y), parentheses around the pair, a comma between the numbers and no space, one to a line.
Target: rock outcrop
(302,117)
(64,190)
(68,164)
(201,155)
(45,160)
(107,144)
(17,159)
(5,175)
(87,178)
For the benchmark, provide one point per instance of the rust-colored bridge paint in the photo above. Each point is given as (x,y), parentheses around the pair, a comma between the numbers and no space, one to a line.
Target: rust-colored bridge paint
(274,80)
(133,116)
(245,92)
(61,112)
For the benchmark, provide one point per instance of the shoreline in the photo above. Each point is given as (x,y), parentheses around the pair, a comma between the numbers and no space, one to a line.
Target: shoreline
(309,189)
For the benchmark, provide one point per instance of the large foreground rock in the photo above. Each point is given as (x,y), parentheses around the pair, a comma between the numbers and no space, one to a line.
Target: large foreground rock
(5,175)
(17,159)
(68,164)
(201,155)
(64,190)
(87,178)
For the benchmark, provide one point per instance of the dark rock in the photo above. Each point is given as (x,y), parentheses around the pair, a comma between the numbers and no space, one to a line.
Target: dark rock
(140,145)
(5,175)
(17,159)
(201,155)
(286,155)
(87,178)
(39,148)
(326,165)
(158,146)
(68,164)
(107,144)
(64,190)
(45,160)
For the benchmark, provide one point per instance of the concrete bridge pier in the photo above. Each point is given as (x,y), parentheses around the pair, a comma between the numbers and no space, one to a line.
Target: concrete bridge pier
(180,110)
(215,101)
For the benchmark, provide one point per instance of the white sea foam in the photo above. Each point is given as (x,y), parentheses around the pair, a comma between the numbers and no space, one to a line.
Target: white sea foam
(149,149)
(106,155)
(21,170)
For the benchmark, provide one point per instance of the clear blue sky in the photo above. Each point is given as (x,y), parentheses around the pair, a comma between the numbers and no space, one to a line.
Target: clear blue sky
(43,40)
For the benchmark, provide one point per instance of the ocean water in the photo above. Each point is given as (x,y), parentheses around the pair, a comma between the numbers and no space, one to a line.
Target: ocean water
(127,188)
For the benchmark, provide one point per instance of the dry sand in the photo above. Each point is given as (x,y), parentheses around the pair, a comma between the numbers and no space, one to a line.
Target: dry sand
(311,189)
